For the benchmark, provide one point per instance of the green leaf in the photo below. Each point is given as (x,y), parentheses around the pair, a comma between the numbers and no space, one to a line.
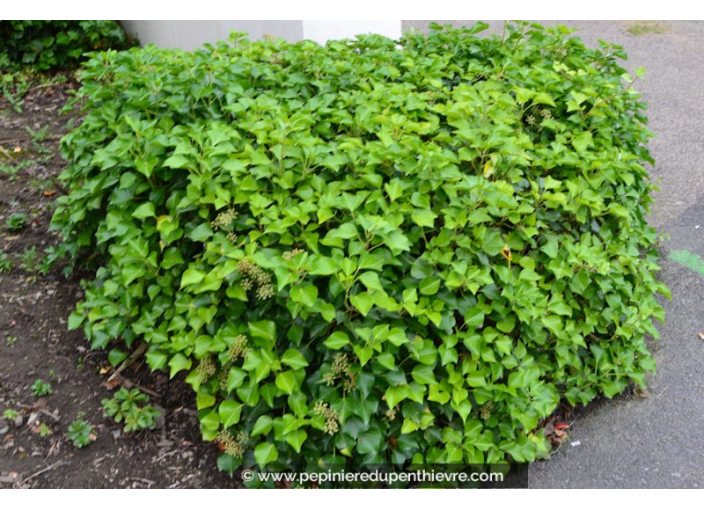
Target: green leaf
(393,189)
(177,161)
(172,257)
(235,378)
(230,412)
(204,400)
(294,359)
(362,302)
(582,141)
(265,453)
(463,408)
(228,463)
(116,356)
(306,295)
(177,363)
(191,277)
(424,374)
(409,426)
(201,233)
(364,353)
(320,265)
(369,442)
(156,360)
(286,382)
(397,242)
(395,394)
(437,393)
(145,210)
(429,286)
(262,426)
(337,340)
(424,218)
(371,281)
(296,439)
(210,421)
(75,320)
(263,329)
(543,98)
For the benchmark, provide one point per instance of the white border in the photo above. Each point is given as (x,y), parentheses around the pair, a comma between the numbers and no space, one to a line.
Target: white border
(353,9)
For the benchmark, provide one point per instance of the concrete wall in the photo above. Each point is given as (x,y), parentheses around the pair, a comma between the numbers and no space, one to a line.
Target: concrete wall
(189,35)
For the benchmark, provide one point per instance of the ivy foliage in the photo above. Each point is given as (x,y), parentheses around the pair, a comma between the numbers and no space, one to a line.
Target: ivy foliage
(43,45)
(374,251)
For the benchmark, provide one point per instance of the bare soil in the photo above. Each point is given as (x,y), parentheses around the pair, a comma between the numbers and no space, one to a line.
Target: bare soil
(36,344)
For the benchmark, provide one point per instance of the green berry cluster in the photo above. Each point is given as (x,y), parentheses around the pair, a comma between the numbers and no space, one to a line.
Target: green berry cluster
(224,220)
(341,372)
(332,419)
(233,445)
(206,367)
(289,255)
(254,276)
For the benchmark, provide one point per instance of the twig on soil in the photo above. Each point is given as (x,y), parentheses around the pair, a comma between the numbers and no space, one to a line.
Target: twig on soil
(53,416)
(181,482)
(167,454)
(143,480)
(5,153)
(49,468)
(130,359)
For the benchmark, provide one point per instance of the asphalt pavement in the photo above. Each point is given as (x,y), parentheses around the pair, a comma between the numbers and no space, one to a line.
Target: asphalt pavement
(655,440)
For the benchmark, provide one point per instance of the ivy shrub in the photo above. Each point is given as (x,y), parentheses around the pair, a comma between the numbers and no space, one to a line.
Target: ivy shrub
(44,45)
(375,251)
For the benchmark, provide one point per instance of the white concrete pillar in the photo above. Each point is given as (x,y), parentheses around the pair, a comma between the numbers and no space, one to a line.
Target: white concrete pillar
(189,35)
(322,31)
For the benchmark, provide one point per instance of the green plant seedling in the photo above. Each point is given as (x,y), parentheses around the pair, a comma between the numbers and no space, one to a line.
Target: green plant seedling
(28,259)
(126,405)
(6,265)
(16,222)
(44,430)
(41,388)
(10,170)
(10,414)
(81,433)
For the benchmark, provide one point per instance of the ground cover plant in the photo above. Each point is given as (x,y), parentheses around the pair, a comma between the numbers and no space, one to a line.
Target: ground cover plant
(370,252)
(48,45)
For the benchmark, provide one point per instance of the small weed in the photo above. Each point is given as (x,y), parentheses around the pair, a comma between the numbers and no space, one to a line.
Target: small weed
(11,170)
(44,430)
(6,264)
(80,365)
(11,340)
(39,135)
(647,27)
(14,86)
(10,414)
(28,259)
(41,388)
(125,405)
(16,222)
(80,432)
